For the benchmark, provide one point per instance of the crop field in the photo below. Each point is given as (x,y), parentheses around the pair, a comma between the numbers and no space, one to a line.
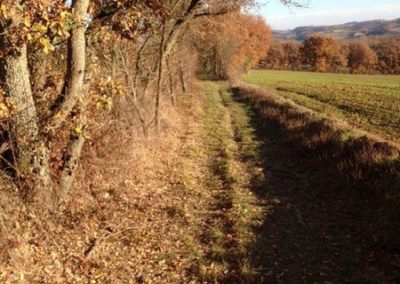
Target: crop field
(368,102)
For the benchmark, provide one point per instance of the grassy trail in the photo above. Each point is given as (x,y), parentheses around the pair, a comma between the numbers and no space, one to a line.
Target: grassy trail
(235,209)
(270,218)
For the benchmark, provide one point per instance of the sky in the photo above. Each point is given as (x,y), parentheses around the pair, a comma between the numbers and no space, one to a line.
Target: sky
(328,12)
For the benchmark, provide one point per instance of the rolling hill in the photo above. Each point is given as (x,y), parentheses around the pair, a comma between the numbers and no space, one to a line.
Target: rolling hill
(345,31)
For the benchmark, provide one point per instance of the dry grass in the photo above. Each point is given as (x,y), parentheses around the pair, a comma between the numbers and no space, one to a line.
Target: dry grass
(132,216)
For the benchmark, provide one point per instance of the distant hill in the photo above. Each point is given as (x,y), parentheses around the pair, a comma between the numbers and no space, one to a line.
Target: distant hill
(345,31)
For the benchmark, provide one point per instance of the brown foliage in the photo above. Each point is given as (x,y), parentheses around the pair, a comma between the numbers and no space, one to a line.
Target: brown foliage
(283,56)
(276,57)
(231,45)
(388,52)
(361,58)
(322,54)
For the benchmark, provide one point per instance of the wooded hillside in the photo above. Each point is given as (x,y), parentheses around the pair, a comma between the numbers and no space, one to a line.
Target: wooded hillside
(354,30)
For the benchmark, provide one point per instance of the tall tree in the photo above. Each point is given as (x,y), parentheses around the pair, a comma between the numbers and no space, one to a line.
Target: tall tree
(292,51)
(276,57)
(361,58)
(322,54)
(388,52)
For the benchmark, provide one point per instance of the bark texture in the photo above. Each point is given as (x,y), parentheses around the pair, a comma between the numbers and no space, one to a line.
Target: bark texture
(75,147)
(76,67)
(31,153)
(162,59)
(75,97)
(31,150)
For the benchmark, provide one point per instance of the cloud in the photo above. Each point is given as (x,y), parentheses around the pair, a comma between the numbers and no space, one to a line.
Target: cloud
(333,16)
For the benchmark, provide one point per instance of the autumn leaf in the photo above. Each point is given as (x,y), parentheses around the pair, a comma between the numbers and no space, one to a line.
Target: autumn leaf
(46,45)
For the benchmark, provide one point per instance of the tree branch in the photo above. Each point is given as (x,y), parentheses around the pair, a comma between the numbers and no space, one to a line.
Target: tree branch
(75,72)
(74,149)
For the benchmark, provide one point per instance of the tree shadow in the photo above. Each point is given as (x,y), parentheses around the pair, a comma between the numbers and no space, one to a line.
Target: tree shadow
(319,226)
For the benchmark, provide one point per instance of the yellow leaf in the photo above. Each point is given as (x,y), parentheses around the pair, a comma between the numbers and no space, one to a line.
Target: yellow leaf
(27,23)
(46,45)
(3,9)
(78,131)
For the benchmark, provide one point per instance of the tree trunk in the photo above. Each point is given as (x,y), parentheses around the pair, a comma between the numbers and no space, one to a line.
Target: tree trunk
(25,120)
(76,67)
(31,153)
(114,60)
(31,149)
(216,73)
(160,77)
(182,77)
(74,148)
(171,85)
(75,96)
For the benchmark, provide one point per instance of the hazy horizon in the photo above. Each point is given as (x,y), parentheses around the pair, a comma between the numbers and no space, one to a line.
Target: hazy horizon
(325,13)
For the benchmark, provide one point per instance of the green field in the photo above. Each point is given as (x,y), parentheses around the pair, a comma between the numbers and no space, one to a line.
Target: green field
(369,102)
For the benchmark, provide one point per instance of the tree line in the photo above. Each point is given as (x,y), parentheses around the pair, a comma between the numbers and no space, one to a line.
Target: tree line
(325,54)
